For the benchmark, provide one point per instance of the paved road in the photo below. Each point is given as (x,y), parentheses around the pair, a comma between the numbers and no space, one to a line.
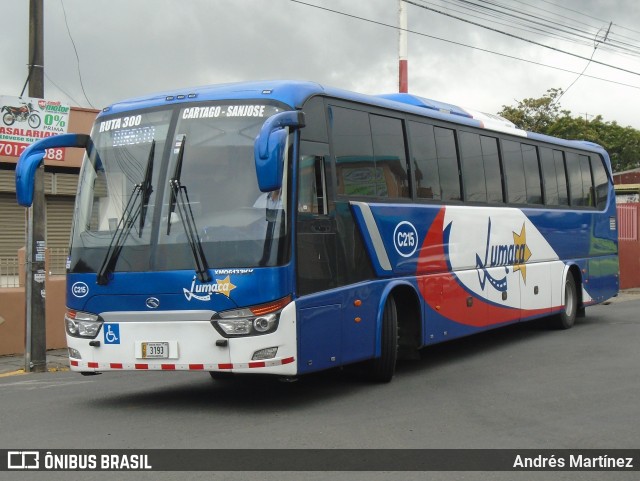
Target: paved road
(519,387)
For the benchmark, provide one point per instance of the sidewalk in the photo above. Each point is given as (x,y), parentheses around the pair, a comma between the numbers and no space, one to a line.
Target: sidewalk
(58,360)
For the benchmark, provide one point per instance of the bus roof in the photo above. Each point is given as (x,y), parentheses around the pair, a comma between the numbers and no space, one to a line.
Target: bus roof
(296,93)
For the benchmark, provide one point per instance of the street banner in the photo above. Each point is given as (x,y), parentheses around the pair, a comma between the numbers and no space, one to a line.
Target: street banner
(26,120)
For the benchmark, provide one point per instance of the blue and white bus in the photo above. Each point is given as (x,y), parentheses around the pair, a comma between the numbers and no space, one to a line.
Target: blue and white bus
(286,227)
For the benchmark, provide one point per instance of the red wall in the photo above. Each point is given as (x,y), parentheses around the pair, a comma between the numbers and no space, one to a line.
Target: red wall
(629,245)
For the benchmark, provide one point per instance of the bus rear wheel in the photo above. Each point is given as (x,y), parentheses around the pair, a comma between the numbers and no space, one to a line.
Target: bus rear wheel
(383,368)
(567,317)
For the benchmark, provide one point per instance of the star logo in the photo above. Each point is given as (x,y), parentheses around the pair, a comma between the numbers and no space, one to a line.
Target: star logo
(225,286)
(522,253)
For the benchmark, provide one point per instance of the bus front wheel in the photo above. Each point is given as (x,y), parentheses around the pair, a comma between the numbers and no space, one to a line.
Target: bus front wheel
(567,317)
(383,367)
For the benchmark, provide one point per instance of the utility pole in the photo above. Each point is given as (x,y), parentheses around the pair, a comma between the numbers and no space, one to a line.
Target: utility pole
(35,356)
(403,67)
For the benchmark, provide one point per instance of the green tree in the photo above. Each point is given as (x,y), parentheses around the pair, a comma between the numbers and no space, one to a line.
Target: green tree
(534,115)
(544,115)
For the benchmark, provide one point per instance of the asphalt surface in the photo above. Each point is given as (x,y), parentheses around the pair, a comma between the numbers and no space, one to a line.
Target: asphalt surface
(520,387)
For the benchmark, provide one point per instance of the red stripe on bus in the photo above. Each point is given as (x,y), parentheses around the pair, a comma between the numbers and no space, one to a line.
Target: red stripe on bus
(225,366)
(74,363)
(199,367)
(115,365)
(141,366)
(287,360)
(168,367)
(92,364)
(257,364)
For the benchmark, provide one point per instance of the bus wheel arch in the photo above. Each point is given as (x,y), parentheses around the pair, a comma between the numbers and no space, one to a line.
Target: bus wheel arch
(398,330)
(409,321)
(571,300)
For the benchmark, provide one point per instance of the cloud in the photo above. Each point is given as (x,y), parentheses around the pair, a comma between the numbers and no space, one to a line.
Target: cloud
(132,48)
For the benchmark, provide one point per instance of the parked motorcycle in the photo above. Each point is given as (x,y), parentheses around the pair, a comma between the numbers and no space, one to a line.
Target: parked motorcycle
(20,114)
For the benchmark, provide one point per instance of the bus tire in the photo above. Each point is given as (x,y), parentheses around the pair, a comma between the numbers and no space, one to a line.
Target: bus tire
(567,317)
(383,368)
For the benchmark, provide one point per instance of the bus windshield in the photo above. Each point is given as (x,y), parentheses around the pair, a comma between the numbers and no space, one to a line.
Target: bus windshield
(160,180)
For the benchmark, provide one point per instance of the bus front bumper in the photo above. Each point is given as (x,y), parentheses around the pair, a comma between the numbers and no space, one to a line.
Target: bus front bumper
(183,341)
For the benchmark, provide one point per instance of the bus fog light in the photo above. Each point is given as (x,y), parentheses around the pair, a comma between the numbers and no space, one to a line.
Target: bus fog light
(268,353)
(74,353)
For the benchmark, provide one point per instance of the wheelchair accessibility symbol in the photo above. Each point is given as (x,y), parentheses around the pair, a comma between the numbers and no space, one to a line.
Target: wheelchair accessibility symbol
(112,334)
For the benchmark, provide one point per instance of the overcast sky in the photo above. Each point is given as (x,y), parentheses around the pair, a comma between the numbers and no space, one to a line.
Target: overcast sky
(128,48)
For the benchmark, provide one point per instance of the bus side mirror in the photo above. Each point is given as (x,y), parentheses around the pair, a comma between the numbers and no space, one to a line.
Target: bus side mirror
(269,146)
(31,159)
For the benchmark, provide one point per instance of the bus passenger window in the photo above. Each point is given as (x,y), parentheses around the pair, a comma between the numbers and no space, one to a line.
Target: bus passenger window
(600,181)
(447,164)
(531,174)
(514,172)
(389,154)
(473,175)
(561,172)
(424,161)
(492,170)
(355,167)
(549,175)
(588,195)
(574,172)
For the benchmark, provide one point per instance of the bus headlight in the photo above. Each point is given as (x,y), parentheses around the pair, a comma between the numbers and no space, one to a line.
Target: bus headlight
(82,324)
(250,321)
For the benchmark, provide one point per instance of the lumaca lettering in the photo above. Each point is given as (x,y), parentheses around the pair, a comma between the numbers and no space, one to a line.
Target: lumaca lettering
(202,292)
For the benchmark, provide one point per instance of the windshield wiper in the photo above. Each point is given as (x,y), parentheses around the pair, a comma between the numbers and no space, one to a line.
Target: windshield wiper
(180,197)
(146,188)
(132,211)
(177,172)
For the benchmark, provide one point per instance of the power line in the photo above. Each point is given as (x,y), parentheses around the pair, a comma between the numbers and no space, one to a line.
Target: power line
(517,23)
(497,19)
(521,38)
(530,18)
(382,24)
(77,56)
(535,18)
(61,89)
(585,67)
(586,15)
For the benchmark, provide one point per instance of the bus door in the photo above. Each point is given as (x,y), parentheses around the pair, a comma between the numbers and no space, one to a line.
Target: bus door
(316,229)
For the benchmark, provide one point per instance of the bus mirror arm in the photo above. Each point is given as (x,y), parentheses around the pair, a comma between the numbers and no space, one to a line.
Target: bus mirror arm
(32,157)
(269,148)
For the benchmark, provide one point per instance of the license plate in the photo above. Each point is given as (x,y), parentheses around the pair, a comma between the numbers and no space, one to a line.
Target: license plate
(155,350)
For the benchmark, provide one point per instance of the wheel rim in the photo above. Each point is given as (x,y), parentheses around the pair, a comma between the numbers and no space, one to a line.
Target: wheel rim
(568,300)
